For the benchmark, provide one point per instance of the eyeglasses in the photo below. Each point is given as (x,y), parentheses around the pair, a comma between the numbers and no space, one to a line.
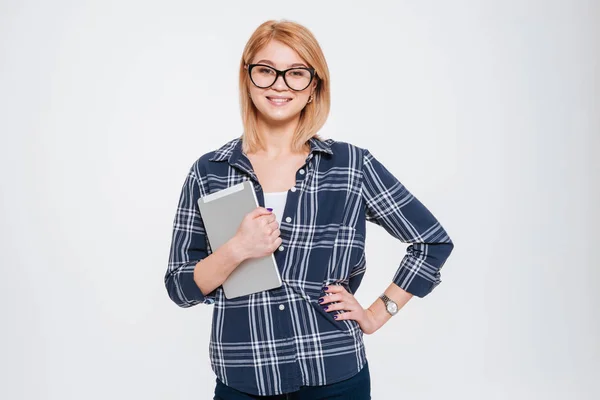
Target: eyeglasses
(264,76)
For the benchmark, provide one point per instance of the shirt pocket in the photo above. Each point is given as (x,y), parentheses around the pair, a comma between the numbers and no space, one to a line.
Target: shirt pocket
(343,250)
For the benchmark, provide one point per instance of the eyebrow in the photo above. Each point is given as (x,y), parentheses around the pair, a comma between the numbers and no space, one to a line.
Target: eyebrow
(268,62)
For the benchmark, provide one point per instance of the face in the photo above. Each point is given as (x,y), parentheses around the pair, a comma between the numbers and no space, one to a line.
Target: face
(279,103)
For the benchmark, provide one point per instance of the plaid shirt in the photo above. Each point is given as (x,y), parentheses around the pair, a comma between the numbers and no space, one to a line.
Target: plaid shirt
(275,341)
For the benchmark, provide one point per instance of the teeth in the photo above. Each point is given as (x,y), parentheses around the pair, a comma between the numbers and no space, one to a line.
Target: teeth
(279,100)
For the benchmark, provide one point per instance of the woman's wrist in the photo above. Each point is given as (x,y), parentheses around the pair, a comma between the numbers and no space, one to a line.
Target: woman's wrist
(368,325)
(380,314)
(235,250)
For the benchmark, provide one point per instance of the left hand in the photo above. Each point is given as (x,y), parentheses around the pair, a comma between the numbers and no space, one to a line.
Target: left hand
(352,308)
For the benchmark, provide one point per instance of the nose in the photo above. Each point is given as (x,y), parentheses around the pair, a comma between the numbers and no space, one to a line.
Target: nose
(279,84)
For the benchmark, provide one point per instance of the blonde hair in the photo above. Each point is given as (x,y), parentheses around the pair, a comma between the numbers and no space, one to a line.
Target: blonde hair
(315,113)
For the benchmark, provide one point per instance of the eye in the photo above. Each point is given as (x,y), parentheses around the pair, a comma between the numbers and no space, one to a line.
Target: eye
(265,70)
(299,73)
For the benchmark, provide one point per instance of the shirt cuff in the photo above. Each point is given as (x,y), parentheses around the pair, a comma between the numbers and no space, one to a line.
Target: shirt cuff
(413,277)
(190,292)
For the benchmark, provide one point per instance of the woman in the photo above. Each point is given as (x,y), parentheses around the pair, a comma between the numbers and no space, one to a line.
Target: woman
(303,340)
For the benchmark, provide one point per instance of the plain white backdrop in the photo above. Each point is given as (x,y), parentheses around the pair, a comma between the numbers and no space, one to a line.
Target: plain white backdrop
(488,111)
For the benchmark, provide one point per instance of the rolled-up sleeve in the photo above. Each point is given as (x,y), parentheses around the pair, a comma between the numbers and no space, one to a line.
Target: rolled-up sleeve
(188,247)
(389,204)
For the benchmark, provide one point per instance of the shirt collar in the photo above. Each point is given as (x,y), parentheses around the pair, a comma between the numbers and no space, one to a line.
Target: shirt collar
(232,151)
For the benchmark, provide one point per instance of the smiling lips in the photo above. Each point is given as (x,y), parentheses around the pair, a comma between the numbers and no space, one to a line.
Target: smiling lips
(278,100)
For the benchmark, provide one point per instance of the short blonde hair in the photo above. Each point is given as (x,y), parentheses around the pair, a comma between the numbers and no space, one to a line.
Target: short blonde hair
(314,115)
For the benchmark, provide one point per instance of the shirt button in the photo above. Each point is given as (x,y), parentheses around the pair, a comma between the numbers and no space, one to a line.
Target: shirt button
(301,172)
(281,248)
(288,219)
(281,307)
(293,189)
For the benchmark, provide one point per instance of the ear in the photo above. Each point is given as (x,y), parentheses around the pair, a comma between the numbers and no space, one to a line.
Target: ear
(314,86)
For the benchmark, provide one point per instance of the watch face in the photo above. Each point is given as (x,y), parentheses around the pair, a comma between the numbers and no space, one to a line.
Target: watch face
(392,307)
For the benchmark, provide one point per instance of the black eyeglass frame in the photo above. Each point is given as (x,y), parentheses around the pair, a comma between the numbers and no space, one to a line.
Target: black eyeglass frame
(279,73)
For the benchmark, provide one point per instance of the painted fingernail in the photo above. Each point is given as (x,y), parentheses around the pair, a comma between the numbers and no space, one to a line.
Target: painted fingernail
(335,317)
(326,288)
(325,308)
(321,300)
(270,209)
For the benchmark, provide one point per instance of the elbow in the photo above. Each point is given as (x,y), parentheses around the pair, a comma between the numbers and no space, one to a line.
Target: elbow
(175,294)
(442,252)
(443,246)
(439,251)
(446,249)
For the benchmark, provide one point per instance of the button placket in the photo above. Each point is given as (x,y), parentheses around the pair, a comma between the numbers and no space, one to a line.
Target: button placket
(288,206)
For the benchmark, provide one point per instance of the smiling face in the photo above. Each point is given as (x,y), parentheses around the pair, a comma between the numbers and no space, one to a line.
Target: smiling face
(278,103)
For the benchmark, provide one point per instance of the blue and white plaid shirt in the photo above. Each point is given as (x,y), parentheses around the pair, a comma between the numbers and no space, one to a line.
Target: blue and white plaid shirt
(275,341)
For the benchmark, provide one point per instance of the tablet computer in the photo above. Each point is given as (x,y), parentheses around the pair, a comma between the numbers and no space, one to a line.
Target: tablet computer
(222,213)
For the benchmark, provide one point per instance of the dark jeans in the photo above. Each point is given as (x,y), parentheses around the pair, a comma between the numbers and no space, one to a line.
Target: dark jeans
(356,388)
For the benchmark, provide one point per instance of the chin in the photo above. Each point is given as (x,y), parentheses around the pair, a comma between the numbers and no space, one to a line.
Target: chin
(279,116)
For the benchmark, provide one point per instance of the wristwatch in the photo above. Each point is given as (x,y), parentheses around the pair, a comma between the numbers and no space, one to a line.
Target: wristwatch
(390,305)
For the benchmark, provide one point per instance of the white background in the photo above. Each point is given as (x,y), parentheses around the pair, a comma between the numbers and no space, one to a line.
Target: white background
(488,111)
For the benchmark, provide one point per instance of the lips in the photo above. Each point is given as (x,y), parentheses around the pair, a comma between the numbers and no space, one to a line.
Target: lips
(277,100)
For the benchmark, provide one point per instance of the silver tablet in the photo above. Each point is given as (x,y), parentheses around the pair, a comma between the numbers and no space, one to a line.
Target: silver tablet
(222,212)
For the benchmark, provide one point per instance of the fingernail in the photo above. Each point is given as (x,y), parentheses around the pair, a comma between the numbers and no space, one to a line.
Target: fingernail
(335,317)
(325,308)
(326,288)
(320,300)
(270,209)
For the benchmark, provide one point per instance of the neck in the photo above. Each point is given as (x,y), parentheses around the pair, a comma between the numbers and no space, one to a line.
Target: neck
(278,137)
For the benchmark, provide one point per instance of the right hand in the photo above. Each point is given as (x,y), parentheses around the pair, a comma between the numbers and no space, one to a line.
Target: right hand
(258,234)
